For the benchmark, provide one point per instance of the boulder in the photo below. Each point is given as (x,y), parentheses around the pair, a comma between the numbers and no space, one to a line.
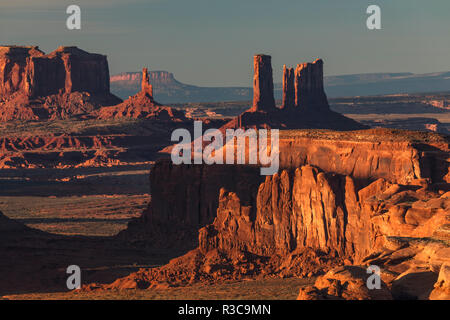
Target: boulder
(344,283)
(441,290)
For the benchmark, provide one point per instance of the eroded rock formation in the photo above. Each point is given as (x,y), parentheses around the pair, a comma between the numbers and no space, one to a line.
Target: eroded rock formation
(309,91)
(304,103)
(142,105)
(67,69)
(14,68)
(303,222)
(146,87)
(68,81)
(263,99)
(288,88)
(365,156)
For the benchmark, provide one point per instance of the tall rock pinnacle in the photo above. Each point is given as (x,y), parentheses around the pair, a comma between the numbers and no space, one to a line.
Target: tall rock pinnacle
(309,91)
(147,88)
(263,99)
(288,88)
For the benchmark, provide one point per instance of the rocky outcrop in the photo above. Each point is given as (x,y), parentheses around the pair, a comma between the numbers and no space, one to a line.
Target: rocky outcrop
(303,221)
(68,69)
(142,106)
(441,289)
(323,211)
(189,203)
(304,102)
(53,107)
(14,68)
(344,283)
(146,87)
(306,222)
(306,208)
(263,99)
(182,206)
(288,88)
(65,70)
(75,151)
(309,91)
(395,155)
(66,82)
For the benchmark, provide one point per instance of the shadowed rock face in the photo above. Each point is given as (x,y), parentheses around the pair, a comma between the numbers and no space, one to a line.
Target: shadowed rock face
(186,197)
(67,69)
(288,88)
(308,208)
(263,99)
(300,222)
(309,91)
(304,105)
(368,208)
(13,68)
(64,83)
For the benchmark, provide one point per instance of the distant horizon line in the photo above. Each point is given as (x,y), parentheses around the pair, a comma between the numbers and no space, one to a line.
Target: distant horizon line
(325,76)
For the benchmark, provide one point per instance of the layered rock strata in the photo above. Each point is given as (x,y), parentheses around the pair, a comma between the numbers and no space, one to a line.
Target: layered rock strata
(186,197)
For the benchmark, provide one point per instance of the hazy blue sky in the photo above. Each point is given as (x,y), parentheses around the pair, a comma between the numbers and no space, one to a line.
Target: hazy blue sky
(211,42)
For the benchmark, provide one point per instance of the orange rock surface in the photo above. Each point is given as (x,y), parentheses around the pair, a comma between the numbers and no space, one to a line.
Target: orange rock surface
(304,221)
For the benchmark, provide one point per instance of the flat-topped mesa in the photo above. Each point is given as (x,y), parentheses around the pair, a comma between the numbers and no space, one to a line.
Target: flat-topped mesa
(67,69)
(309,89)
(13,65)
(288,88)
(146,87)
(263,99)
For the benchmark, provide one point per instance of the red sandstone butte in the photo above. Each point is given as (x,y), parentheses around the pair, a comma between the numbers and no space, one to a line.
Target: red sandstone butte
(65,70)
(142,105)
(146,87)
(309,91)
(14,68)
(36,86)
(263,99)
(288,88)
(304,105)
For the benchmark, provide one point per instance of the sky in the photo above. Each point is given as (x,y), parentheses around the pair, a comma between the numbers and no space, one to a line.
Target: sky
(211,42)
